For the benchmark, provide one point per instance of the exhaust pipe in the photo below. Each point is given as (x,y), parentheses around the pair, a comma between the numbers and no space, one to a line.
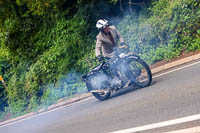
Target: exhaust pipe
(99,91)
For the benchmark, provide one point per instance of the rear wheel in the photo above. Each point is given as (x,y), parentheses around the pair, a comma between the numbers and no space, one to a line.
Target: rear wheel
(140,71)
(102,95)
(95,86)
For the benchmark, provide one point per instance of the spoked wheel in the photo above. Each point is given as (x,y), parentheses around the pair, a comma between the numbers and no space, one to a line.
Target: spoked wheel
(140,72)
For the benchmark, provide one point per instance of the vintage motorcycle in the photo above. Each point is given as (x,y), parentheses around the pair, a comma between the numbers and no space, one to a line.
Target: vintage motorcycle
(122,70)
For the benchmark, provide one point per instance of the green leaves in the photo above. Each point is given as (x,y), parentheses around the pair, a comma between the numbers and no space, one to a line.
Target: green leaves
(39,7)
(170,28)
(114,1)
(46,54)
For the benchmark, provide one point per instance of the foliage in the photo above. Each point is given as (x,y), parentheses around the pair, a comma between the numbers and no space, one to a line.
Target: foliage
(48,67)
(169,28)
(39,7)
(65,87)
(3,67)
(41,47)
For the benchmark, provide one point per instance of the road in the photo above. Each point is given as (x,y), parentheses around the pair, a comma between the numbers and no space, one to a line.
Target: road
(171,96)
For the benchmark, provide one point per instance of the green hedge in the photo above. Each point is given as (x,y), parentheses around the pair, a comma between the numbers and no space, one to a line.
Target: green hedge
(165,30)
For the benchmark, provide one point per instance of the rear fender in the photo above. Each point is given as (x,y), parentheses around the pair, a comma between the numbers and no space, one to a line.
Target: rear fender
(86,76)
(94,70)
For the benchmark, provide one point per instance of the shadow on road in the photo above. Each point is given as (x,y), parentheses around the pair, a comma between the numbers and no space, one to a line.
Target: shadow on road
(129,89)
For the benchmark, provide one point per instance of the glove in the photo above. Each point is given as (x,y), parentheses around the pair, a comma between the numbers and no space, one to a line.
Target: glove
(100,58)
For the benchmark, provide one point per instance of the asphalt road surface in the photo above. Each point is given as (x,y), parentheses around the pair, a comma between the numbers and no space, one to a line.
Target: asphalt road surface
(171,96)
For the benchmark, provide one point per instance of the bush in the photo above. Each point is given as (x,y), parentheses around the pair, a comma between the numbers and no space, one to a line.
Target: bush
(33,80)
(166,30)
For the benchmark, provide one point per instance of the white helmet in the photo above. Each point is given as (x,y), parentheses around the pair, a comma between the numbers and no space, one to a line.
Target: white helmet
(102,23)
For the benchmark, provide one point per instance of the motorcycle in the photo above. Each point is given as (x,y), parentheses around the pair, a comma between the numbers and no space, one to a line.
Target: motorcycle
(124,69)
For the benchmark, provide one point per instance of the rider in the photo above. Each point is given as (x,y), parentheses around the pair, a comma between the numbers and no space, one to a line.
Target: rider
(107,39)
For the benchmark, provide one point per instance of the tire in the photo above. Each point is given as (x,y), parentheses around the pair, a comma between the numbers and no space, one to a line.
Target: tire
(101,96)
(140,71)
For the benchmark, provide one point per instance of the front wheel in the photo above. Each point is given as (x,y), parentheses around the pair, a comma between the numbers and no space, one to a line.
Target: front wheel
(140,71)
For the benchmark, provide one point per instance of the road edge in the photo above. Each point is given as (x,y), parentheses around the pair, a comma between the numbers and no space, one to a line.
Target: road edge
(175,63)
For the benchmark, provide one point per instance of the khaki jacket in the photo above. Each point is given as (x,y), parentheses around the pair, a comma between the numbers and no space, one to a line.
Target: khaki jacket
(105,45)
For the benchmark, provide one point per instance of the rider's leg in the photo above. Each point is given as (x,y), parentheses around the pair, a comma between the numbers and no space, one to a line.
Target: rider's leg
(130,77)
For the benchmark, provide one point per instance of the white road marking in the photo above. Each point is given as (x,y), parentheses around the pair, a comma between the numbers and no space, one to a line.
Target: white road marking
(188,130)
(160,124)
(92,97)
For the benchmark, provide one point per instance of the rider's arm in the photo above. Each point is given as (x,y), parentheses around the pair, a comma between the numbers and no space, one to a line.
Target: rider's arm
(98,47)
(121,39)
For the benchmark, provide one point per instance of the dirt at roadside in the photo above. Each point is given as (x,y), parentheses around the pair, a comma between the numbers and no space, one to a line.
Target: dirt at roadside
(181,56)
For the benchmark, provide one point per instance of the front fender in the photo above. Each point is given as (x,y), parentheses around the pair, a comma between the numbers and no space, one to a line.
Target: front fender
(133,56)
